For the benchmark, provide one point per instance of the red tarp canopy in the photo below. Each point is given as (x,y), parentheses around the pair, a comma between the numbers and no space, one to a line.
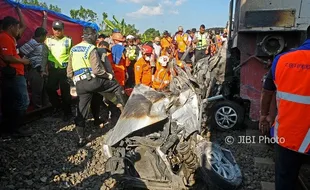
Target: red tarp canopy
(33,17)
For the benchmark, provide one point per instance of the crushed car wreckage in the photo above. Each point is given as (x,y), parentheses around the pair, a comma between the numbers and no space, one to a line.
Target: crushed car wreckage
(157,142)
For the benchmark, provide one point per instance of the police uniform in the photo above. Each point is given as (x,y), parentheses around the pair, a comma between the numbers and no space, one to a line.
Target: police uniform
(201,46)
(88,73)
(59,50)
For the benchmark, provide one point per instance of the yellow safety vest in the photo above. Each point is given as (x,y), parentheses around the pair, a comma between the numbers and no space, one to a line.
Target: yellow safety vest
(131,53)
(203,43)
(80,55)
(59,50)
(182,40)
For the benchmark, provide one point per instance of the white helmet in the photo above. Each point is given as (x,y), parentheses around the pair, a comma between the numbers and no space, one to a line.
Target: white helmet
(130,37)
(163,60)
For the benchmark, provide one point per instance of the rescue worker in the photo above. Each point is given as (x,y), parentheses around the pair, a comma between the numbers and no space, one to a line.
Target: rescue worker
(132,53)
(143,69)
(162,74)
(59,47)
(165,43)
(118,58)
(218,39)
(289,77)
(183,41)
(201,43)
(86,70)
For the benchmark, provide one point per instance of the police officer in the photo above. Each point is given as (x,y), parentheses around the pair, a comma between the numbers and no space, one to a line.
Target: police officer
(88,73)
(59,47)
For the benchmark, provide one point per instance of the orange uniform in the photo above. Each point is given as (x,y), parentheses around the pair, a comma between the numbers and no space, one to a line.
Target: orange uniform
(119,70)
(218,41)
(290,72)
(165,44)
(161,78)
(143,72)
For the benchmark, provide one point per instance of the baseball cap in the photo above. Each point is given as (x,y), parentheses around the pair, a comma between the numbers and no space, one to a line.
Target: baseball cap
(116,30)
(194,30)
(58,25)
(40,31)
(180,28)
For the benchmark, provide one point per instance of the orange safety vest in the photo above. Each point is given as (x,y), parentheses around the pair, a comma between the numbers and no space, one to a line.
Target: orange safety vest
(291,72)
(143,72)
(119,70)
(182,42)
(161,78)
(165,44)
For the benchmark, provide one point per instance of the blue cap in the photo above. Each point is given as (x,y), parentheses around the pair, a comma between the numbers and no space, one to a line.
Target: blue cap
(116,30)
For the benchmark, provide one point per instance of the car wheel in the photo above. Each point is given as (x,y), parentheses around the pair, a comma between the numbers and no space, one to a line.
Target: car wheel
(227,115)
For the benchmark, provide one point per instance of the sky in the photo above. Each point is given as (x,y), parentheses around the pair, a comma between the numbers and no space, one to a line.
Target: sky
(159,14)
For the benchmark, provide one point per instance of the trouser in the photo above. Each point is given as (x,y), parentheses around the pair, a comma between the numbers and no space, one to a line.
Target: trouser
(97,102)
(15,101)
(86,89)
(58,78)
(130,83)
(187,59)
(287,166)
(200,54)
(38,88)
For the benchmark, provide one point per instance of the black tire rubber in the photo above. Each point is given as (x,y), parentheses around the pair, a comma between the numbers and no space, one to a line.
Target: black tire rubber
(236,107)
(214,180)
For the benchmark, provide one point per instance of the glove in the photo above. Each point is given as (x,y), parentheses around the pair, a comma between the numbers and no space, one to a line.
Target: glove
(110,76)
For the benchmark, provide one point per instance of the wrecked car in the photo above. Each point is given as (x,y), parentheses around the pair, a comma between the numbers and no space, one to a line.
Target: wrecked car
(157,142)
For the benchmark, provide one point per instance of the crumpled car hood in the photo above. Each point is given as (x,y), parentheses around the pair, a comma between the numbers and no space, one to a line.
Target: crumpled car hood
(144,107)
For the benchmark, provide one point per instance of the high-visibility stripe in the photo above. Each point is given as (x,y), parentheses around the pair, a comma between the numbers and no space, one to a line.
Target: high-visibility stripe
(305,143)
(293,97)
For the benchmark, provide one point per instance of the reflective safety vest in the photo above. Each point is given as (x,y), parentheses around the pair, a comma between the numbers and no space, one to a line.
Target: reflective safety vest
(161,78)
(182,42)
(80,55)
(131,53)
(202,41)
(218,41)
(291,73)
(59,50)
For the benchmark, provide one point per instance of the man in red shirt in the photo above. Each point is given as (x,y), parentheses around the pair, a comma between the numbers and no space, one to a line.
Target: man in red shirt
(15,98)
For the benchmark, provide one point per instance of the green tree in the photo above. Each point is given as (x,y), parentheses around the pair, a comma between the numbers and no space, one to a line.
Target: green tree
(150,34)
(41,4)
(84,14)
(125,28)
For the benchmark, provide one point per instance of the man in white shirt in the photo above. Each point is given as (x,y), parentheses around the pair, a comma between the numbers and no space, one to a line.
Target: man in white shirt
(157,47)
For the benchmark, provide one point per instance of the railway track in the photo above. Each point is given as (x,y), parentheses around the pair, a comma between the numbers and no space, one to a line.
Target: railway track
(50,158)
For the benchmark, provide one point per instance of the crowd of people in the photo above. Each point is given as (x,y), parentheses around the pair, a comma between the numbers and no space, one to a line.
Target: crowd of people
(99,68)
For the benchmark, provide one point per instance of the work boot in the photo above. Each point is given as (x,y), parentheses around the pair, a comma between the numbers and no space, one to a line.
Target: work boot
(81,135)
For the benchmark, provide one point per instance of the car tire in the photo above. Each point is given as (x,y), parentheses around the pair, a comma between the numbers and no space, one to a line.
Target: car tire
(215,161)
(227,115)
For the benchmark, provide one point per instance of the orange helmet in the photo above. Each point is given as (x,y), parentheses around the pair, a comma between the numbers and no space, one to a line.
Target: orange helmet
(146,49)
